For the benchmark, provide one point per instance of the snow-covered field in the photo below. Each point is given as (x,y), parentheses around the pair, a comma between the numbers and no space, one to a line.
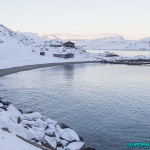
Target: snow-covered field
(14,142)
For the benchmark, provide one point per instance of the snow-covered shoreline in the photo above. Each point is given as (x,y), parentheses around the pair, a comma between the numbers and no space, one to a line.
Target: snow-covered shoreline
(8,71)
(34,129)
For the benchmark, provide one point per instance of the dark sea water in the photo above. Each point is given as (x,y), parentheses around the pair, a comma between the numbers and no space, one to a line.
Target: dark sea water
(108,105)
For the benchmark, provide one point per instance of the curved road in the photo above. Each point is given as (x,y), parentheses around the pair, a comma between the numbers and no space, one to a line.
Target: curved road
(4,72)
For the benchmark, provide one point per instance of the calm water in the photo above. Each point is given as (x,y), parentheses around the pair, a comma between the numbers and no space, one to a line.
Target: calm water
(123,52)
(108,105)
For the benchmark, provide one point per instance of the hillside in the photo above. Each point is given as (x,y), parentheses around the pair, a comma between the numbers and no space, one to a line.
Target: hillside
(19,49)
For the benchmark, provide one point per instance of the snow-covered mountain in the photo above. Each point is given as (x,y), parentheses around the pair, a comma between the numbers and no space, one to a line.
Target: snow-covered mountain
(18,49)
(42,37)
(115,43)
(9,37)
(93,41)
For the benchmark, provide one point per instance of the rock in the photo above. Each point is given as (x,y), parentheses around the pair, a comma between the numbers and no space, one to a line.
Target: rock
(21,111)
(6,103)
(31,116)
(35,140)
(59,144)
(64,143)
(81,138)
(63,126)
(50,126)
(0,100)
(4,107)
(90,148)
(50,121)
(18,120)
(13,110)
(41,123)
(46,133)
(57,136)
(47,145)
(75,146)
(50,132)
(39,132)
(29,112)
(51,141)
(60,148)
(29,123)
(67,134)
(1,105)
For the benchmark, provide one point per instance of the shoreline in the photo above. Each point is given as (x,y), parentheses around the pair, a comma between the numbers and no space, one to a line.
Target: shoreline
(8,71)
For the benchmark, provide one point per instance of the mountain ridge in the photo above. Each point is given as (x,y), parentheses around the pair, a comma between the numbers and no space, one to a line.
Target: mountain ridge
(109,41)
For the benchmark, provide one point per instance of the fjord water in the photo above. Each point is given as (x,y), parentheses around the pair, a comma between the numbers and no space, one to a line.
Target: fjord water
(124,53)
(108,105)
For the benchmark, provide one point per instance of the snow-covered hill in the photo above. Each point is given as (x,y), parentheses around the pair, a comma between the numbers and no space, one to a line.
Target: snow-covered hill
(9,37)
(40,38)
(93,41)
(19,49)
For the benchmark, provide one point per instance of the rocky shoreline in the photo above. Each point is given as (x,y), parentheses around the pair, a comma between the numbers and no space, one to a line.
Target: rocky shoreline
(32,128)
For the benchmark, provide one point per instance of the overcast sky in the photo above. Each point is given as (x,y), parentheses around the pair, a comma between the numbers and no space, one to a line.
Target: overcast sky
(130,18)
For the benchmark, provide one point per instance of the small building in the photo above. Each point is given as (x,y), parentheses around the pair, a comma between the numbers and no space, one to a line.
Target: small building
(42,53)
(69,44)
(55,45)
(64,55)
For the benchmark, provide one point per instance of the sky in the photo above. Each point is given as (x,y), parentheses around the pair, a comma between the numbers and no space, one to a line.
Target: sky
(130,18)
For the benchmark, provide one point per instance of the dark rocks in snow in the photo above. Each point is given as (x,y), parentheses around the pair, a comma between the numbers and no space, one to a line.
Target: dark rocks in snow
(81,138)
(47,133)
(90,148)
(47,145)
(63,126)
(6,103)
(3,107)
(21,111)
(18,120)
(29,112)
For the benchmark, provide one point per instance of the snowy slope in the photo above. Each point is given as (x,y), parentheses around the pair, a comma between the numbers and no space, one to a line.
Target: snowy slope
(17,49)
(40,38)
(9,141)
(9,37)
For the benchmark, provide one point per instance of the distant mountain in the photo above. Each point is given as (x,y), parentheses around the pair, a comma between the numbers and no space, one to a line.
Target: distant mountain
(87,41)
(9,38)
(75,37)
(115,43)
(41,37)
